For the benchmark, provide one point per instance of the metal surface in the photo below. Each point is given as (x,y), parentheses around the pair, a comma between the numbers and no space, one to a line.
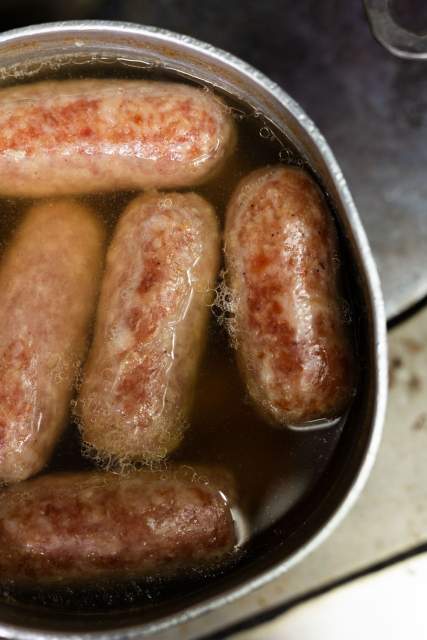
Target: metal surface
(34,45)
(399,41)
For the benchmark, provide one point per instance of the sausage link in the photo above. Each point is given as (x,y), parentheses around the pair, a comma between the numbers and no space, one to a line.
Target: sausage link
(48,285)
(138,381)
(86,527)
(77,136)
(282,258)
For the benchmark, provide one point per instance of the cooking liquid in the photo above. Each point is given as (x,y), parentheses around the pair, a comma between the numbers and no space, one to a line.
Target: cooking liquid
(276,470)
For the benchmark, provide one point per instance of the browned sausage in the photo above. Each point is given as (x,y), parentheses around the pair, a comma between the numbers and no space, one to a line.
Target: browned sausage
(151,320)
(293,344)
(82,527)
(48,285)
(77,136)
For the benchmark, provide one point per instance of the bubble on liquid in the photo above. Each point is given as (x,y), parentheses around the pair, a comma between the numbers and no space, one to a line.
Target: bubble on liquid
(29,69)
(166,436)
(78,380)
(19,71)
(237,114)
(223,307)
(265,133)
(100,460)
(286,155)
(192,474)
(165,203)
(62,369)
(122,465)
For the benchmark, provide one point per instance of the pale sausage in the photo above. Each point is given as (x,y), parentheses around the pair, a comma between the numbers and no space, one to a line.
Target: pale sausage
(79,136)
(49,279)
(150,327)
(283,262)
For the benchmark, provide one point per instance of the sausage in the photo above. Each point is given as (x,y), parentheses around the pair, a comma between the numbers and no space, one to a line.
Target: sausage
(94,526)
(77,136)
(293,343)
(48,285)
(160,273)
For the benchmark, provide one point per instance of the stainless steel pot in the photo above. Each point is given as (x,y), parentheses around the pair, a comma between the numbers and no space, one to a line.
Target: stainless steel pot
(277,549)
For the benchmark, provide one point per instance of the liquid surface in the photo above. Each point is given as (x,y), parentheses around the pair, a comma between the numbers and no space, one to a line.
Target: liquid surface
(276,470)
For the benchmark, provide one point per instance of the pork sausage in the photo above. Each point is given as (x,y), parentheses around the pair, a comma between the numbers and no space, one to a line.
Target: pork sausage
(48,285)
(77,136)
(160,273)
(282,256)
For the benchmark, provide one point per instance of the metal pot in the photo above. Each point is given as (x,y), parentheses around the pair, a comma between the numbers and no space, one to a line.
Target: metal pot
(277,549)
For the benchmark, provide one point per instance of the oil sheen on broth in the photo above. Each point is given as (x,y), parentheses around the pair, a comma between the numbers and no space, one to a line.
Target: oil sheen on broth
(275,470)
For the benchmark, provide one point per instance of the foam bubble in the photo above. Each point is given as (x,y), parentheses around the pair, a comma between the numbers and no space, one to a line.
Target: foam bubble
(266,133)
(29,69)
(122,465)
(155,455)
(223,307)
(286,155)
(165,203)
(237,114)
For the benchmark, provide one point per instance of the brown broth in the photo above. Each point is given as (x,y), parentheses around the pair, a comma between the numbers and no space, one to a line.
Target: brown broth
(276,469)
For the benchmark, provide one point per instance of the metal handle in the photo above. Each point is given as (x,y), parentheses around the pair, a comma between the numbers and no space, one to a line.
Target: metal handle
(396,39)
